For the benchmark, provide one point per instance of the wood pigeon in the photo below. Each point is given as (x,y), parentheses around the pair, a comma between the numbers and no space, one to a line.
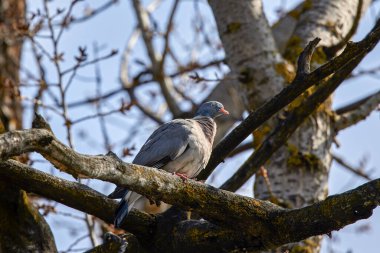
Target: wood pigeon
(180,146)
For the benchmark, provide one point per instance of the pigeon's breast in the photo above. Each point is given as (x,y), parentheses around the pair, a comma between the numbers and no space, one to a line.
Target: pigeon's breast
(196,155)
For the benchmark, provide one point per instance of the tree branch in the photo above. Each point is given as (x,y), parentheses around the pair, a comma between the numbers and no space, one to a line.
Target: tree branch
(74,195)
(145,227)
(353,113)
(287,95)
(358,171)
(328,215)
(162,185)
(264,225)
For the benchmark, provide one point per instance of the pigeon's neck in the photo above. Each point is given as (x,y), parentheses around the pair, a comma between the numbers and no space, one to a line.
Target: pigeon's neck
(208,127)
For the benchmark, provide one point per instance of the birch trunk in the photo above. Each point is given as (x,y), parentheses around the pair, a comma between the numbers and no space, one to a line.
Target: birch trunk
(298,172)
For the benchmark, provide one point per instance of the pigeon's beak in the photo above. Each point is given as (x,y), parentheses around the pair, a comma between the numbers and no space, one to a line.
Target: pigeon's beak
(224,111)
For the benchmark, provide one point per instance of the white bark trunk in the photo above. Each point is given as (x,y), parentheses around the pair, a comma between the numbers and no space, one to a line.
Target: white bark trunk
(250,48)
(298,173)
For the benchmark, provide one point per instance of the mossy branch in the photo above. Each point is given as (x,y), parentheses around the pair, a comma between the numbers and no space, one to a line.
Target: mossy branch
(262,225)
(74,195)
(192,235)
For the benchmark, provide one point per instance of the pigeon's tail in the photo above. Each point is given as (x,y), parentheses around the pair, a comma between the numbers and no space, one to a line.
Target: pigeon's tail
(118,193)
(121,212)
(125,205)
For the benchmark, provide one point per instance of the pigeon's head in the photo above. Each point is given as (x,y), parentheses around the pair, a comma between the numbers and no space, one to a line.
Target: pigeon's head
(211,109)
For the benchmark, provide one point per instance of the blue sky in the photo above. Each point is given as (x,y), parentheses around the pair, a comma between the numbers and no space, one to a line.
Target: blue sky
(111,29)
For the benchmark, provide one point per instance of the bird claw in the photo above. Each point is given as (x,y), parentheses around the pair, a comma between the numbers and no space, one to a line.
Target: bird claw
(112,237)
(155,202)
(182,176)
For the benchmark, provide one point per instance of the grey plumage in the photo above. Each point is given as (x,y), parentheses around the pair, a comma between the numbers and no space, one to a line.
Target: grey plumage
(181,146)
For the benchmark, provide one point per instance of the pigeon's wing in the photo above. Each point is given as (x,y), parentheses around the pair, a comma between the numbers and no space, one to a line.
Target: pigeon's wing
(165,144)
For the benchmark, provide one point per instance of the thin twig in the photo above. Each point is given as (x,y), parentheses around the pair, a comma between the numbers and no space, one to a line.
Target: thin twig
(98,78)
(159,75)
(358,171)
(56,59)
(169,28)
(84,64)
(94,12)
(73,244)
(122,109)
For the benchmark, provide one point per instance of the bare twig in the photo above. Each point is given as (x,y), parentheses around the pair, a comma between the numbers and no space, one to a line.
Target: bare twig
(164,81)
(124,107)
(169,28)
(94,12)
(73,244)
(124,77)
(98,80)
(89,219)
(84,64)
(358,171)
(142,108)
(56,58)
(96,99)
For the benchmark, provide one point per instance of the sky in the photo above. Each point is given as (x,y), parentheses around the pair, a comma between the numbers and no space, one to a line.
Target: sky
(111,30)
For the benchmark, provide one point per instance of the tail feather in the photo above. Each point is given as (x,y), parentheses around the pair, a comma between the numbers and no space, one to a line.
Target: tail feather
(121,212)
(118,193)
(125,206)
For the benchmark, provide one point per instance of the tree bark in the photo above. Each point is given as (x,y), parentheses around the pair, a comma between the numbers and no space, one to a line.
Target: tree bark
(298,172)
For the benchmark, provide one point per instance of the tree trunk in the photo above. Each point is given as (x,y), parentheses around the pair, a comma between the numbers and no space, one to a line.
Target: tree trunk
(22,228)
(298,172)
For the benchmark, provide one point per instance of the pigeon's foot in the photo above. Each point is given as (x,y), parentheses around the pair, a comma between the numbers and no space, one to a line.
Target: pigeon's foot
(155,202)
(184,177)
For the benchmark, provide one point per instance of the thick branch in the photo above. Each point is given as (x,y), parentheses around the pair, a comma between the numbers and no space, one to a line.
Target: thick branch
(353,113)
(214,204)
(192,235)
(298,86)
(331,214)
(262,220)
(75,195)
